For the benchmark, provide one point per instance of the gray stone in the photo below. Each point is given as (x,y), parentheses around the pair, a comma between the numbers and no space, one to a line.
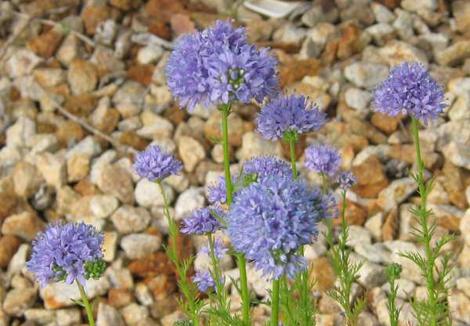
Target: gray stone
(191,152)
(22,63)
(108,316)
(358,99)
(140,245)
(376,253)
(148,194)
(21,132)
(102,206)
(366,74)
(458,154)
(68,317)
(128,219)
(18,300)
(382,14)
(40,316)
(189,201)
(396,192)
(149,54)
(254,145)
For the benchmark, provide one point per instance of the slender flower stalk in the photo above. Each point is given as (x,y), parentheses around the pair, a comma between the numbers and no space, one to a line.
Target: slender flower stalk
(275,303)
(393,273)
(241,260)
(86,304)
(191,305)
(346,271)
(434,309)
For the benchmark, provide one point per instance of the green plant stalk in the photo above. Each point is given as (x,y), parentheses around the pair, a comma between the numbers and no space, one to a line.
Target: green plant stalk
(275,303)
(217,274)
(301,283)
(181,269)
(426,231)
(241,260)
(393,311)
(346,272)
(86,304)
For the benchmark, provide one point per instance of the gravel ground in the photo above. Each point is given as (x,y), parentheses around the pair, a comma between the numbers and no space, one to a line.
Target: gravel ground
(82,88)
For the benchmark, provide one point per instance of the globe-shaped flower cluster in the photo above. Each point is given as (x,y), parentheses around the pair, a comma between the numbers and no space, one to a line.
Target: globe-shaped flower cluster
(286,114)
(156,164)
(271,219)
(410,90)
(322,159)
(67,252)
(218,66)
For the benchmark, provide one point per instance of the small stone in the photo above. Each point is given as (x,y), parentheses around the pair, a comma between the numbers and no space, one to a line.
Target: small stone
(458,154)
(459,306)
(109,246)
(371,275)
(40,316)
(189,201)
(395,52)
(135,315)
(463,284)
(129,98)
(78,167)
(89,146)
(148,194)
(213,128)
(406,288)
(288,33)
(322,274)
(254,145)
(371,178)
(69,132)
(155,127)
(8,202)
(8,246)
(117,182)
(18,300)
(52,167)
(191,152)
(119,297)
(128,219)
(105,119)
(138,246)
(68,317)
(22,63)
(26,179)
(365,74)
(461,12)
(49,77)
(82,76)
(24,225)
(357,99)
(375,253)
(21,132)
(397,192)
(149,54)
(108,316)
(410,270)
(382,13)
(46,44)
(385,123)
(94,15)
(106,32)
(102,206)
(454,54)
(374,225)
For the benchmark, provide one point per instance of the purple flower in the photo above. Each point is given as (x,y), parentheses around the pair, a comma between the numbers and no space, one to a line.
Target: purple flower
(288,114)
(202,221)
(322,159)
(346,180)
(67,252)
(269,220)
(156,164)
(216,193)
(410,89)
(218,66)
(204,281)
(219,249)
(265,166)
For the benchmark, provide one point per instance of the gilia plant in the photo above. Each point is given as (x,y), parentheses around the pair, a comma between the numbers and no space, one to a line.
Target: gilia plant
(410,90)
(68,252)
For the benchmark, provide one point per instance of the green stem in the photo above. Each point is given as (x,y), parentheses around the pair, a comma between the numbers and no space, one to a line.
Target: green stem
(86,304)
(293,160)
(181,269)
(217,274)
(424,222)
(275,304)
(241,260)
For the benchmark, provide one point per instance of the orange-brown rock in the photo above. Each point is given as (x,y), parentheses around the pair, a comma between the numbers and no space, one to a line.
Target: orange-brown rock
(119,298)
(69,132)
(355,214)
(7,205)
(155,264)
(80,105)
(385,123)
(453,183)
(125,5)
(93,15)
(182,24)
(8,246)
(295,70)
(132,139)
(162,286)
(86,188)
(349,42)
(108,122)
(141,73)
(322,274)
(45,44)
(390,226)
(371,178)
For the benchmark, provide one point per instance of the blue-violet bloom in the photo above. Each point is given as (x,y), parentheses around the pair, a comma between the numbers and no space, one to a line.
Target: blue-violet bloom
(322,159)
(69,252)
(269,220)
(202,221)
(204,281)
(410,90)
(346,180)
(156,164)
(218,66)
(289,114)
(219,249)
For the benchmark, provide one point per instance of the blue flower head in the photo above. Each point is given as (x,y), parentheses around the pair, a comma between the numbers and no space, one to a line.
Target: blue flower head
(218,66)
(156,164)
(204,281)
(409,89)
(269,220)
(219,249)
(67,252)
(289,114)
(322,159)
(216,193)
(202,221)
(265,166)
(346,180)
